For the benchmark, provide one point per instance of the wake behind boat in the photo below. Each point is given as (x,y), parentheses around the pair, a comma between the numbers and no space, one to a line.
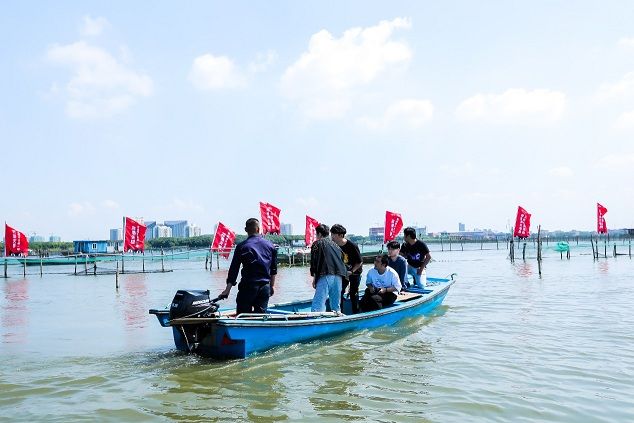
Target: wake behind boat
(199,327)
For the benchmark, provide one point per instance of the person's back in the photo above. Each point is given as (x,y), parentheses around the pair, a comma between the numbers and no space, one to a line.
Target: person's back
(326,259)
(327,269)
(257,256)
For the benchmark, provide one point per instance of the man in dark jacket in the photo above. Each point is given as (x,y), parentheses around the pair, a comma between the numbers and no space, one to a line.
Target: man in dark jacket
(327,270)
(352,260)
(258,257)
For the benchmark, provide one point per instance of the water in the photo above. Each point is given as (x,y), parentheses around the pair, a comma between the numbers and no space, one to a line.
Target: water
(505,346)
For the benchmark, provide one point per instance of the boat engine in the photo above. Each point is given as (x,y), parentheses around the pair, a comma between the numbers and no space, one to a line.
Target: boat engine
(192,303)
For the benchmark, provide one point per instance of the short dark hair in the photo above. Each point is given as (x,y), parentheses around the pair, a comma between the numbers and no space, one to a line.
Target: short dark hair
(251,225)
(383,258)
(409,231)
(338,229)
(393,245)
(322,229)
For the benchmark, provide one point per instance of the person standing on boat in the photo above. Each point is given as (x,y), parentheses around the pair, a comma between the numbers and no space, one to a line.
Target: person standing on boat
(397,262)
(327,269)
(417,254)
(352,261)
(258,257)
(383,285)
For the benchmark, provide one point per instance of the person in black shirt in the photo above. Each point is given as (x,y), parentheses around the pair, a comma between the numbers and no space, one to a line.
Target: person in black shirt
(417,254)
(352,260)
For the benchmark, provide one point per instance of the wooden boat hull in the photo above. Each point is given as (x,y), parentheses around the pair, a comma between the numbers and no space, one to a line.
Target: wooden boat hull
(289,323)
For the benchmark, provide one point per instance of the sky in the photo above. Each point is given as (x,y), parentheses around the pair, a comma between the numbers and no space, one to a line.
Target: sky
(446,112)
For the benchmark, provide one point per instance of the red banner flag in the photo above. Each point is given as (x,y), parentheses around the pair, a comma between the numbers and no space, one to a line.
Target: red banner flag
(270,219)
(134,236)
(15,242)
(522,223)
(602,227)
(223,240)
(310,234)
(393,225)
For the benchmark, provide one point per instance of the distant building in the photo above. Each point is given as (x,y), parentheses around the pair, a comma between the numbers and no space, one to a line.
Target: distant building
(54,238)
(162,231)
(90,247)
(376,234)
(420,231)
(36,238)
(192,230)
(461,227)
(178,227)
(116,234)
(286,229)
(149,229)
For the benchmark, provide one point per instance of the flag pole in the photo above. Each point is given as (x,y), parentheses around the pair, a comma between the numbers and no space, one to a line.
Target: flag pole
(123,249)
(5,249)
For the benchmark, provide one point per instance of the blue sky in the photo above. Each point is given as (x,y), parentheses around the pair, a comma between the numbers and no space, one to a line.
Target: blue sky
(445,112)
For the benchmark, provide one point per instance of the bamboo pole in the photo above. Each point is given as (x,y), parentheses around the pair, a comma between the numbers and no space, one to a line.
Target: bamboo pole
(143,261)
(122,262)
(206,260)
(524,251)
(218,260)
(86,264)
(116,276)
(41,266)
(162,261)
(539,249)
(94,268)
(75,264)
(5,267)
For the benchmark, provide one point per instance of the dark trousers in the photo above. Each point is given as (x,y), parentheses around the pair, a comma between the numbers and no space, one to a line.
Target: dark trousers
(252,298)
(353,281)
(372,300)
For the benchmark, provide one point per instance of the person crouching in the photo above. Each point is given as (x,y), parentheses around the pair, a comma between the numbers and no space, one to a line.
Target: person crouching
(383,284)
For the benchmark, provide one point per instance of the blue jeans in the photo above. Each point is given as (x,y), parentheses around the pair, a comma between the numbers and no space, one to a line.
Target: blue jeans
(419,280)
(328,287)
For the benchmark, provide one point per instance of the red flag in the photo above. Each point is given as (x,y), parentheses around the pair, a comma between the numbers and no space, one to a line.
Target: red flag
(270,219)
(134,235)
(15,242)
(522,223)
(310,235)
(393,225)
(223,240)
(602,227)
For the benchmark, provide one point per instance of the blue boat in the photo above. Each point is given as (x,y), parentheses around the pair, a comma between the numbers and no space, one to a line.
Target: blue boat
(222,334)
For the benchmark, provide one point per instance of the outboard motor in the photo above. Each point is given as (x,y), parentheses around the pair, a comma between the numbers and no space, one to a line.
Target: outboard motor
(192,303)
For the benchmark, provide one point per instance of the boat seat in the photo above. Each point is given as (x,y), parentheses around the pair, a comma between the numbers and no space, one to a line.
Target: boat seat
(407,296)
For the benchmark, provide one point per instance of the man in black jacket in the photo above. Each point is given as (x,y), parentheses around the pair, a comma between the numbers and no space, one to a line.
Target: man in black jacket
(352,260)
(327,270)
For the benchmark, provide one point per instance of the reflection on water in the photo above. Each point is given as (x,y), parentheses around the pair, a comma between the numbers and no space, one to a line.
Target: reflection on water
(15,313)
(135,304)
(604,267)
(524,269)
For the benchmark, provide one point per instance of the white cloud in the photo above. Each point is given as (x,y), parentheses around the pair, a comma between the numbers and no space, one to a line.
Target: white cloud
(624,88)
(561,172)
(77,209)
(409,113)
(457,169)
(263,61)
(626,42)
(514,106)
(100,86)
(625,120)
(616,161)
(211,72)
(322,79)
(110,204)
(92,27)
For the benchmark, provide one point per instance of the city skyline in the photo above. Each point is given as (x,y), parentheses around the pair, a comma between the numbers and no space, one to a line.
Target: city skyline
(442,112)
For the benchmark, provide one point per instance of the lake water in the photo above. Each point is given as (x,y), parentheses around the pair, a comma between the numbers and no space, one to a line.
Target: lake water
(506,345)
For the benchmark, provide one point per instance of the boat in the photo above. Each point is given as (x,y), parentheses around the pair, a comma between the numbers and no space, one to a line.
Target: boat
(220,333)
